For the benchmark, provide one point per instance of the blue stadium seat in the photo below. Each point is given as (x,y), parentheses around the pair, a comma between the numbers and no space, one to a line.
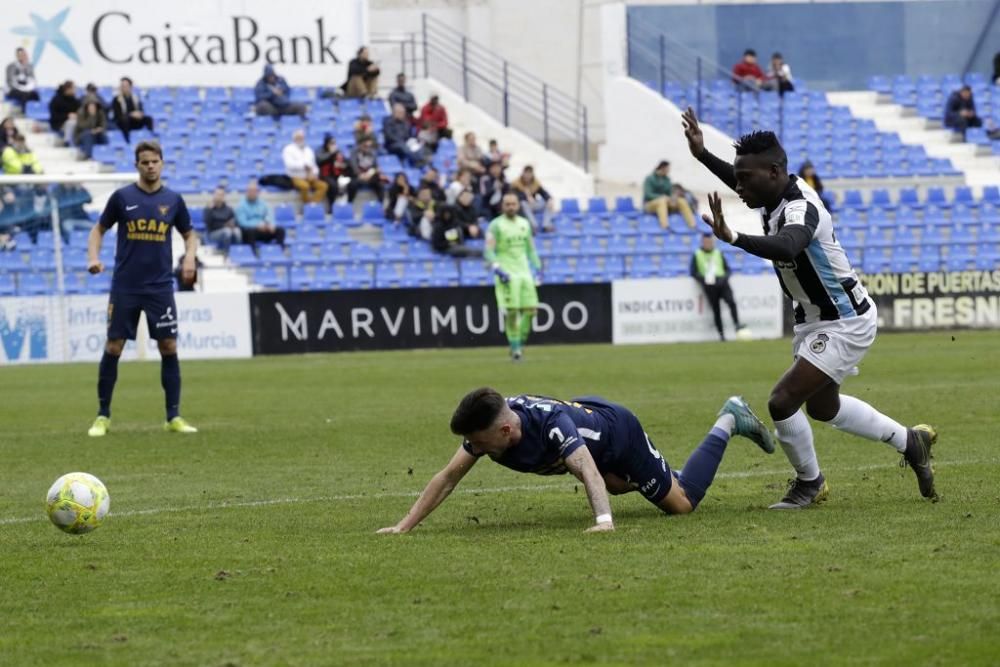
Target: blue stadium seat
(242,255)
(597,206)
(626,207)
(570,208)
(313,212)
(270,278)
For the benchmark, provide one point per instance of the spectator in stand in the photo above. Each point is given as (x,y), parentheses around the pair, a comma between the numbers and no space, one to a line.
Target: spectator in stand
(492,187)
(400,95)
(709,268)
(535,200)
(471,156)
(437,116)
(253,216)
(780,75)
(432,179)
(18,159)
(332,166)
(658,197)
(21,84)
(448,234)
(748,75)
(301,167)
(72,214)
(220,222)
(400,193)
(8,128)
(960,111)
(126,109)
(397,132)
(462,182)
(8,228)
(807,172)
(91,127)
(362,76)
(420,213)
(62,111)
(273,96)
(467,209)
(364,128)
(428,138)
(996,69)
(364,168)
(91,93)
(681,192)
(494,154)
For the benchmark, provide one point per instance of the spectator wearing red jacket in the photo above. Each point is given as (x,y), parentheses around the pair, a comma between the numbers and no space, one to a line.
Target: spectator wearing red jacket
(437,116)
(748,75)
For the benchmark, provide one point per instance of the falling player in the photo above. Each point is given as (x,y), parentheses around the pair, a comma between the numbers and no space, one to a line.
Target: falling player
(510,249)
(145,213)
(601,443)
(835,321)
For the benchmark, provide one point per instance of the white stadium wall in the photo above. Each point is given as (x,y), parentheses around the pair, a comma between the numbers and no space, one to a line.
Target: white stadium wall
(220,43)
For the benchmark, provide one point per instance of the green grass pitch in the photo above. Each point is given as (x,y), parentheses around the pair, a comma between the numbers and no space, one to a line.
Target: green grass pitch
(251,543)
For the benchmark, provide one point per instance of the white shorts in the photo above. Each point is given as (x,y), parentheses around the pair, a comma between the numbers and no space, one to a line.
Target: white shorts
(836,347)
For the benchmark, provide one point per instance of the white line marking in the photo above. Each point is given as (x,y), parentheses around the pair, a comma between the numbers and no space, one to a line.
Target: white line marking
(496,489)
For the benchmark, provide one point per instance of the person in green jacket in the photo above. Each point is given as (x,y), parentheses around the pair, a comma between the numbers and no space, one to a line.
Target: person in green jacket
(18,158)
(658,197)
(709,268)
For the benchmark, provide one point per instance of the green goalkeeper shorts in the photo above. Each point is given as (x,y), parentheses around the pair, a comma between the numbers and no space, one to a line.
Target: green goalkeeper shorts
(518,292)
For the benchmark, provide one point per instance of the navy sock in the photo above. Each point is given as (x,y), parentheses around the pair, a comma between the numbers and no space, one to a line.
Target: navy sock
(107,375)
(170,378)
(700,469)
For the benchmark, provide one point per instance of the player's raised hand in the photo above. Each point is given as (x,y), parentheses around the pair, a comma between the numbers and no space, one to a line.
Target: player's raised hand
(601,527)
(95,267)
(696,140)
(390,530)
(717,221)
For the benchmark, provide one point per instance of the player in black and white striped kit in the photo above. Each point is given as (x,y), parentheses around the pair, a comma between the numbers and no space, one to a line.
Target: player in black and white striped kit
(835,320)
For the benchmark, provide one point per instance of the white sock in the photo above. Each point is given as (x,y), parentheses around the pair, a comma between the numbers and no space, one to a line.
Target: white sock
(796,438)
(726,423)
(859,418)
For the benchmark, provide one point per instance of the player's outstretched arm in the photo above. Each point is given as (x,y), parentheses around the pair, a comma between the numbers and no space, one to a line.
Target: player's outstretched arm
(800,224)
(94,241)
(581,464)
(440,486)
(696,144)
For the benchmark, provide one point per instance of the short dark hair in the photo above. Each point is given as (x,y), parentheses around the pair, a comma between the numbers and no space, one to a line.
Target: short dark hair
(662,164)
(750,52)
(777,54)
(125,78)
(765,143)
(477,411)
(145,146)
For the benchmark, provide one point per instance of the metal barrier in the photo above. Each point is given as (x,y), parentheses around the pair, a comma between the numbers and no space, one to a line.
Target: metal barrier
(514,96)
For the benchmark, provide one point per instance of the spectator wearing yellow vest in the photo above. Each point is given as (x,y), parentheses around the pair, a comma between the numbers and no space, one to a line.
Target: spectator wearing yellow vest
(18,158)
(709,268)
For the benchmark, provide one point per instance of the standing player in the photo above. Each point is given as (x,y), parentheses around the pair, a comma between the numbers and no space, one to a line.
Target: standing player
(145,213)
(835,321)
(601,443)
(510,249)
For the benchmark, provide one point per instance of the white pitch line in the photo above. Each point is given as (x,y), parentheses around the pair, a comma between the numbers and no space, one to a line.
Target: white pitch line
(496,489)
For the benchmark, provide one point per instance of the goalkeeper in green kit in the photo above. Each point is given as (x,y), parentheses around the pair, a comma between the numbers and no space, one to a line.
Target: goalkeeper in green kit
(510,249)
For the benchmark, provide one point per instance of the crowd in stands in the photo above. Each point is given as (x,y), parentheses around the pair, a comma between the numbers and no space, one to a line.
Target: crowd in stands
(748,75)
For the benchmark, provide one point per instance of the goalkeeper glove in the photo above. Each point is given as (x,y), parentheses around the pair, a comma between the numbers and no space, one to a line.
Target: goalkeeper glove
(501,274)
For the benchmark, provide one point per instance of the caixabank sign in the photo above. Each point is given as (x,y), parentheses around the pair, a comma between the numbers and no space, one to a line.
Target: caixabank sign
(290,322)
(187,42)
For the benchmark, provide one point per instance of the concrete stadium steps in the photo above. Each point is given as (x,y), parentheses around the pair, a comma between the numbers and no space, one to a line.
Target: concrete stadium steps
(978,170)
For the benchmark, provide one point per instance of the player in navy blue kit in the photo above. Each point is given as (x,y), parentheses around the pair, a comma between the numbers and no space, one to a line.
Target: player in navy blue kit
(145,213)
(601,443)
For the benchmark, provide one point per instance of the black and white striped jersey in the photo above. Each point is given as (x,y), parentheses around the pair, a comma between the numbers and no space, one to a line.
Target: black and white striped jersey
(819,281)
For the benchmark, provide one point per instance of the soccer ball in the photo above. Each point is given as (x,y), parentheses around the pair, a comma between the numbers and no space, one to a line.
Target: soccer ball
(744,333)
(77,502)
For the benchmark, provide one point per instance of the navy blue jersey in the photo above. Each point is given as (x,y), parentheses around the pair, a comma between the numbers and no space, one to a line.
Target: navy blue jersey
(144,257)
(552,429)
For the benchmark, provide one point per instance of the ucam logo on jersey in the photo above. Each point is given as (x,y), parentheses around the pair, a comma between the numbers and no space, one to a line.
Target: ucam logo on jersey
(224,42)
(670,310)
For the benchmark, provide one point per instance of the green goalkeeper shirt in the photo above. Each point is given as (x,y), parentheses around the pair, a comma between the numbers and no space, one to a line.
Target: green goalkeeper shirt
(513,246)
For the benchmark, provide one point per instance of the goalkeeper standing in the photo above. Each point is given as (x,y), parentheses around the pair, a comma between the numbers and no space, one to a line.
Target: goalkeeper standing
(510,249)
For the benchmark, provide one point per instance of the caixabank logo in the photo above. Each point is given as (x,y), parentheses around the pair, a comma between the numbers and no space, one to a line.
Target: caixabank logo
(23,333)
(47,32)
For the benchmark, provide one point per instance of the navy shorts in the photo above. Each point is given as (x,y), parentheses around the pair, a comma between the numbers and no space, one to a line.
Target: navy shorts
(124,309)
(633,456)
